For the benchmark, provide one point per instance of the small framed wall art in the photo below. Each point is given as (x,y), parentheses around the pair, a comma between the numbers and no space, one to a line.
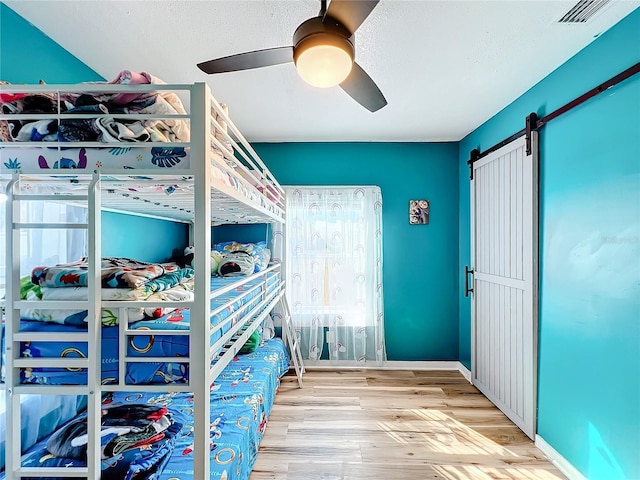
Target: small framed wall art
(419,212)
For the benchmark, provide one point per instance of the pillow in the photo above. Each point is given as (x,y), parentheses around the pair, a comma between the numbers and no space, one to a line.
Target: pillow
(189,258)
(259,251)
(229,247)
(216,258)
(268,328)
(235,264)
(263,256)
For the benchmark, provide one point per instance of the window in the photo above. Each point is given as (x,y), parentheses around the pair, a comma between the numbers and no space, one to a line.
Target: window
(334,270)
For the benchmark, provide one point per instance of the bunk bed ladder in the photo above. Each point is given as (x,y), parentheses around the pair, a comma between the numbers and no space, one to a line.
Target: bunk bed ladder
(292,340)
(13,336)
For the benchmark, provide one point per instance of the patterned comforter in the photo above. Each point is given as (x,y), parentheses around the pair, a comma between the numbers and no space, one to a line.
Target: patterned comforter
(241,401)
(116,273)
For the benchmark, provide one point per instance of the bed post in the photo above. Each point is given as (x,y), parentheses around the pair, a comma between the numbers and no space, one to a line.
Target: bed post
(12,317)
(199,337)
(94,374)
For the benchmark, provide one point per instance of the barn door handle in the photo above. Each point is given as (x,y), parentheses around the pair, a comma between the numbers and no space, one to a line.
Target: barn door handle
(467,290)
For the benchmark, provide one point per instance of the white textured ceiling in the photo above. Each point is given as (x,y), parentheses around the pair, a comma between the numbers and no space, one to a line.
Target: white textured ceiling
(445,67)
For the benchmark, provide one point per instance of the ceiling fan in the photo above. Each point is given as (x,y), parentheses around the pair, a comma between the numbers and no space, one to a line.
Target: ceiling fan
(323,52)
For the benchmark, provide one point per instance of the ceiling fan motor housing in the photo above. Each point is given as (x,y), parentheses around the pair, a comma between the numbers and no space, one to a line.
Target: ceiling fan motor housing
(315,32)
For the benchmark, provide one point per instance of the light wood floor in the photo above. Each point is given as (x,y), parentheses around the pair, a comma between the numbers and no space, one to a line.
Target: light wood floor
(392,425)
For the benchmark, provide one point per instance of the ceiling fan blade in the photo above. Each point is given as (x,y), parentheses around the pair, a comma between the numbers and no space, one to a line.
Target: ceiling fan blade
(248,60)
(363,89)
(350,13)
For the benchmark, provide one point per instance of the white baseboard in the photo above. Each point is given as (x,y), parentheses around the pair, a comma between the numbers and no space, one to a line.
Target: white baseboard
(558,460)
(466,373)
(389,365)
(427,365)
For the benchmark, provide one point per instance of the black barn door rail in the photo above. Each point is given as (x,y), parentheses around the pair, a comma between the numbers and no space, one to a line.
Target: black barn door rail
(535,123)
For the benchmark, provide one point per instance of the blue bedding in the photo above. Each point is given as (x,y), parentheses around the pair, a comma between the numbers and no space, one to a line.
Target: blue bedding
(139,346)
(241,400)
(144,462)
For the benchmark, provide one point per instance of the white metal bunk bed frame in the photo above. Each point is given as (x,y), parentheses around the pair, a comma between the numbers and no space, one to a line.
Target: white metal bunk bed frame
(225,201)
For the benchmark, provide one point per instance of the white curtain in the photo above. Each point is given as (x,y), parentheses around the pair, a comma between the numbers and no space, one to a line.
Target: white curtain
(52,246)
(334,272)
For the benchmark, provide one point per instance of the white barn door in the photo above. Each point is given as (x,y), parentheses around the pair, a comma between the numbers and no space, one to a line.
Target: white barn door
(504,243)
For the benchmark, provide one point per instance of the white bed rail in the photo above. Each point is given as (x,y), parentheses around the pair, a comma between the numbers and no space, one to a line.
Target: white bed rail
(244,189)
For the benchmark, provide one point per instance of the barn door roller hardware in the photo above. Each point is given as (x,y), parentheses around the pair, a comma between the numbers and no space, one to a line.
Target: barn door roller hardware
(474,156)
(531,125)
(535,123)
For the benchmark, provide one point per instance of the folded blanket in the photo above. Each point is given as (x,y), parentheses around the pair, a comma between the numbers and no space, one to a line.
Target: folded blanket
(116,273)
(122,429)
(134,458)
(182,276)
(109,316)
(154,103)
(170,280)
(82,293)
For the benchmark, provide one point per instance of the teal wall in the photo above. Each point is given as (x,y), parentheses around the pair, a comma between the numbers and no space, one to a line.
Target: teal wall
(146,239)
(589,321)
(252,233)
(420,261)
(28,56)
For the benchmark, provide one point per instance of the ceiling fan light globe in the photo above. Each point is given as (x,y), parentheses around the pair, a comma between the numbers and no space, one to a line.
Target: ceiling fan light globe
(324,66)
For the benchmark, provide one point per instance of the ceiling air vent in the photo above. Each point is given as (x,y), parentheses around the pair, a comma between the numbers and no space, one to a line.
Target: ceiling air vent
(583,11)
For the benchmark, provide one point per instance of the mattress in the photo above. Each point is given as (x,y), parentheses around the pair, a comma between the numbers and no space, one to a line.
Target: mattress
(80,163)
(241,401)
(143,345)
(84,160)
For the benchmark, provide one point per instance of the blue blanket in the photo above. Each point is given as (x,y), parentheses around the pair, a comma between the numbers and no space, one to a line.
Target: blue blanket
(143,462)
(241,400)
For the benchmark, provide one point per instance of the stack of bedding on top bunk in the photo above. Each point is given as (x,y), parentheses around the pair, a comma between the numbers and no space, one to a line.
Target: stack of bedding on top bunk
(125,142)
(106,127)
(241,401)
